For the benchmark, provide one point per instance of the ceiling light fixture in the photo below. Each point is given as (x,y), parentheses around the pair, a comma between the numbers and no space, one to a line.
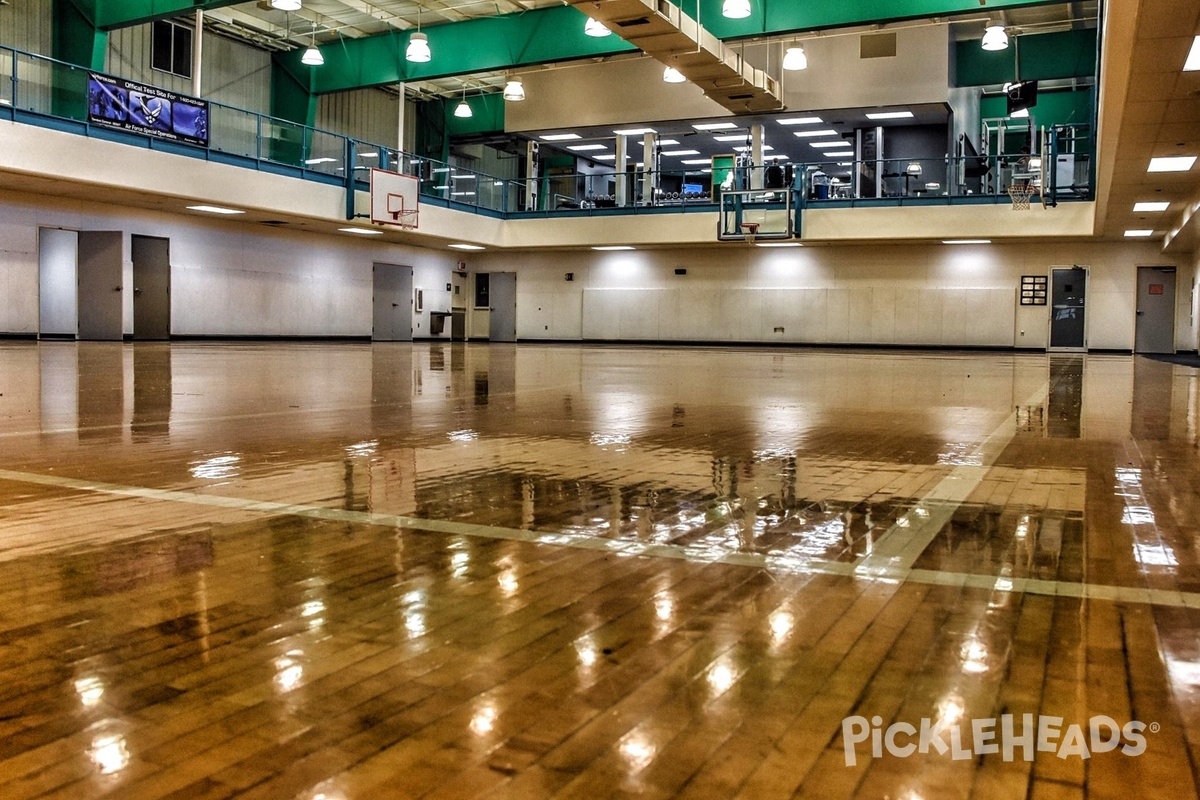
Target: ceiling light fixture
(679,153)
(735,9)
(714,126)
(1151,206)
(614,247)
(994,37)
(582,147)
(362,231)
(966,241)
(800,121)
(312,56)
(560,137)
(634,131)
(418,45)
(594,27)
(1171,164)
(460,246)
(890,115)
(286,5)
(1138,234)
(463,109)
(795,59)
(778,244)
(514,90)
(672,75)
(1193,58)
(809,134)
(215,210)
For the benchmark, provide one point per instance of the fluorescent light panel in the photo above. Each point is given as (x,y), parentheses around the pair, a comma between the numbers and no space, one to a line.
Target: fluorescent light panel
(810,134)
(605,157)
(614,247)
(1138,234)
(634,131)
(731,137)
(1193,58)
(778,244)
(800,121)
(582,147)
(966,241)
(1171,164)
(714,126)
(890,115)
(838,145)
(560,137)
(681,152)
(695,161)
(1151,206)
(215,210)
(460,246)
(362,231)
(667,142)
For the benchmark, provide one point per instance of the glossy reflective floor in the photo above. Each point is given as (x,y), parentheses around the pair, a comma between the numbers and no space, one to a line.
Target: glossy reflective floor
(451,571)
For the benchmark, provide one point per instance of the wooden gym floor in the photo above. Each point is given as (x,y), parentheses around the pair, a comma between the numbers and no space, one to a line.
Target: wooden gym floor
(449,571)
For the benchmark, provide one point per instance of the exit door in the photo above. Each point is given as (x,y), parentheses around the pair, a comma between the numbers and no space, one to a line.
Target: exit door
(151,287)
(392,316)
(1068,293)
(99,280)
(502,324)
(1155,326)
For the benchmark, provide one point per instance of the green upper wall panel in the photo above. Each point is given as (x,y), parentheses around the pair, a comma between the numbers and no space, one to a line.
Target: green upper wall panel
(556,34)
(1046,56)
(459,48)
(111,14)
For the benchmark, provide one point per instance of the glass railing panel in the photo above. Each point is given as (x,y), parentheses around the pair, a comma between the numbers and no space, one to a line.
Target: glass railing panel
(326,153)
(284,142)
(233,131)
(45,86)
(8,72)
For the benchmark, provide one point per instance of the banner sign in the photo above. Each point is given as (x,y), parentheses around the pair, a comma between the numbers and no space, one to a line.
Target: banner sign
(135,107)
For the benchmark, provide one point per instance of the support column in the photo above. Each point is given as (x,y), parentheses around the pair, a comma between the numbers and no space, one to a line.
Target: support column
(531,176)
(620,165)
(400,125)
(649,169)
(198,53)
(756,156)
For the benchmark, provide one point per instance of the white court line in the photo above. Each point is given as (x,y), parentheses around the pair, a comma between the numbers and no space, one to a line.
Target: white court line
(773,562)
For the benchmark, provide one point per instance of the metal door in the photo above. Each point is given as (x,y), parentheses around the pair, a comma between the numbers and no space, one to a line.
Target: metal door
(1068,293)
(99,281)
(151,287)
(1155,327)
(393,314)
(502,326)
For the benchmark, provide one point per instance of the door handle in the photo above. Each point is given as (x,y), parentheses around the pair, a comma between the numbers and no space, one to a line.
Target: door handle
(137,290)
(1140,312)
(116,288)
(395,305)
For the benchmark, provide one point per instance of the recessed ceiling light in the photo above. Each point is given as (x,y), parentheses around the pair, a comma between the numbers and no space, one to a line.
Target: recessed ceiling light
(828,145)
(581,147)
(605,157)
(838,153)
(614,247)
(810,134)
(731,137)
(362,231)
(681,152)
(966,241)
(695,161)
(1171,164)
(1193,59)
(459,246)
(1138,234)
(714,126)
(744,147)
(634,131)
(890,115)
(1151,206)
(778,244)
(560,137)
(215,210)
(800,121)
(667,142)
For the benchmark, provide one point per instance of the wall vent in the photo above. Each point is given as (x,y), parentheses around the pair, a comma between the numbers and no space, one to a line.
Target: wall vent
(877,45)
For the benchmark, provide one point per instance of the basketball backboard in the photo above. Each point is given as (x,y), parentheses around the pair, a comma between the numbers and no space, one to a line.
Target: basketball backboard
(394,198)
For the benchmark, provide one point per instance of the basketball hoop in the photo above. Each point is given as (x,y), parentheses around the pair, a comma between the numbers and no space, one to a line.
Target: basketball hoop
(749,230)
(403,217)
(1021,194)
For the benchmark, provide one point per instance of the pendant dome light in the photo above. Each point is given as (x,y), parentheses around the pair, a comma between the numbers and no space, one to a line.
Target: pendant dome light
(795,59)
(994,37)
(463,110)
(286,5)
(312,56)
(418,45)
(514,90)
(672,75)
(736,9)
(594,27)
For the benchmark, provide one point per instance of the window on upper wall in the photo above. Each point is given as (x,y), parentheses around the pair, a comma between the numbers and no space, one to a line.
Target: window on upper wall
(482,299)
(171,47)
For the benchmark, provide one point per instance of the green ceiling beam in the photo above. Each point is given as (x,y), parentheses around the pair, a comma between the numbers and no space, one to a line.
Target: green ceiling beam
(111,14)
(459,48)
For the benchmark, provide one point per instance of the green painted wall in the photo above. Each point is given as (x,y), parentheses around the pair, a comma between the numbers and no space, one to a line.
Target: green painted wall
(74,41)
(1068,54)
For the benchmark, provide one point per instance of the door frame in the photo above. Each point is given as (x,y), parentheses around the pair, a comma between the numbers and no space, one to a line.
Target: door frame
(1137,287)
(137,291)
(1087,318)
(492,305)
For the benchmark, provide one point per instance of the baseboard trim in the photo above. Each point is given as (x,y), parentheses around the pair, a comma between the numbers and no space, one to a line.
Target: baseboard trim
(33,336)
(208,337)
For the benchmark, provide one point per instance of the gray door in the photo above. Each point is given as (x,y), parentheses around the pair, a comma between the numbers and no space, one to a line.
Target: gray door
(151,287)
(393,304)
(1155,329)
(503,294)
(99,281)
(1068,293)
